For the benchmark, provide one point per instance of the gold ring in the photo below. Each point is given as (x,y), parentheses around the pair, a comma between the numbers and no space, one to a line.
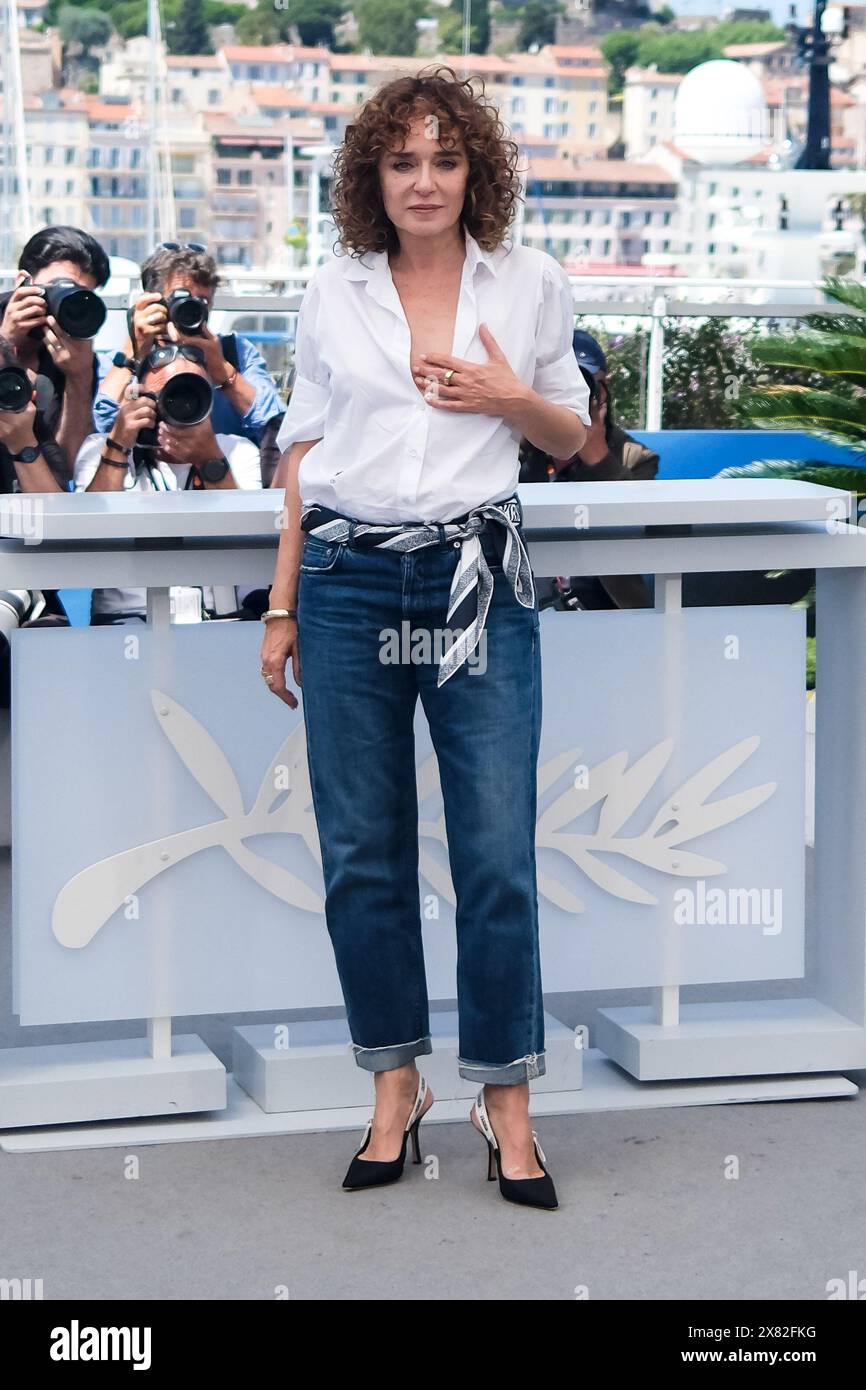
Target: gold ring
(448,375)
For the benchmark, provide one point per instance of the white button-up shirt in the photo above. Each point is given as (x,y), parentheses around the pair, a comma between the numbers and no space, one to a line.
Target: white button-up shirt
(386,455)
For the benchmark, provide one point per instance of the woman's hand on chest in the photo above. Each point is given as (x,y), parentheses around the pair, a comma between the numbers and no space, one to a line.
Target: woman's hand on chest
(460,386)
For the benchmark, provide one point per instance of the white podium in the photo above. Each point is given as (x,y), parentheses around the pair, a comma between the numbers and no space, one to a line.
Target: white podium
(166,863)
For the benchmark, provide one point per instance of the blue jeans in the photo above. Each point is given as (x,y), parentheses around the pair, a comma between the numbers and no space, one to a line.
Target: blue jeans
(485,722)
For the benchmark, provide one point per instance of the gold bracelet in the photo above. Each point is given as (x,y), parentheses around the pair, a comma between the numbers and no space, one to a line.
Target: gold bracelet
(279,613)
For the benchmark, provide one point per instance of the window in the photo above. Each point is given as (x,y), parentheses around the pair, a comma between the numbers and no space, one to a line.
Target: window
(224,176)
(647,219)
(176,96)
(186,218)
(245,176)
(654,117)
(591,129)
(213,96)
(49,154)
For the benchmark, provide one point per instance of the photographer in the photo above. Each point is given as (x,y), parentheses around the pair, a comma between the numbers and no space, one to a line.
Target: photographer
(26,453)
(179,286)
(163,439)
(49,318)
(26,457)
(608,454)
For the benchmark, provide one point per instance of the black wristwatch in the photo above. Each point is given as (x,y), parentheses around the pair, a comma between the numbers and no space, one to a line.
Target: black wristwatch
(213,470)
(28,454)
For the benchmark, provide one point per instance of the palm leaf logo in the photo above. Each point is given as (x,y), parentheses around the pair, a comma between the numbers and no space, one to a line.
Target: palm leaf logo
(93,895)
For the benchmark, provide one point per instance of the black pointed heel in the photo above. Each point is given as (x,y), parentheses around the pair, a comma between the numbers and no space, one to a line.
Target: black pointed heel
(526,1192)
(374,1173)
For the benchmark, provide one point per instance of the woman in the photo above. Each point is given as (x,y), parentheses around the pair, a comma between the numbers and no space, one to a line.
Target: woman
(421,359)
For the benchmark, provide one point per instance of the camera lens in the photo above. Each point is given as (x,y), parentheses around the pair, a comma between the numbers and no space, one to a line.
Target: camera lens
(187,311)
(186,399)
(80,312)
(16,389)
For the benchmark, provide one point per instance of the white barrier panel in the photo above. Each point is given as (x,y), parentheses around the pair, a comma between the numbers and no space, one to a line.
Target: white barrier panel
(166,858)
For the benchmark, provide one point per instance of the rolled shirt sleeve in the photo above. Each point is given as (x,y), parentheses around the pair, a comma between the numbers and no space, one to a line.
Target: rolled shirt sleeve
(104,407)
(253,367)
(307,409)
(558,378)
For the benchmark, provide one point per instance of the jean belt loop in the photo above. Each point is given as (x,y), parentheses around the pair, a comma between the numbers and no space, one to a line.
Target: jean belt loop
(351,536)
(441,529)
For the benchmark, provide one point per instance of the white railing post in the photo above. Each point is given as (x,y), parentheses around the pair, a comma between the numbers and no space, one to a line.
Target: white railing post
(655,365)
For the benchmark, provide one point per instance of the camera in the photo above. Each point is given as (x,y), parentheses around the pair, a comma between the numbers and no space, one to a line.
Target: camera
(80,312)
(187,311)
(16,389)
(187,399)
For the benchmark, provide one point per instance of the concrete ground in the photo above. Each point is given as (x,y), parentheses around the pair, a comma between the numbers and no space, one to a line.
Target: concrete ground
(649,1208)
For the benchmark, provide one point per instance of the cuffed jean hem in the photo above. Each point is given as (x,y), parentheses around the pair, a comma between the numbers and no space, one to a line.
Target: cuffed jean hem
(509,1074)
(392,1055)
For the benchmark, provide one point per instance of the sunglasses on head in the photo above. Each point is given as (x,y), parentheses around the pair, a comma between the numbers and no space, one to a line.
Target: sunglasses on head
(178,246)
(164,353)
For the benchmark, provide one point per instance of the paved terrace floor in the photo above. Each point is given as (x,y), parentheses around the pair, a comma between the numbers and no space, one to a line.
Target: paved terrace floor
(646,1211)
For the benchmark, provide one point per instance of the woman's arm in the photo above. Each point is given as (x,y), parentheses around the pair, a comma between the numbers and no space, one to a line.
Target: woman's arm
(554,428)
(281,634)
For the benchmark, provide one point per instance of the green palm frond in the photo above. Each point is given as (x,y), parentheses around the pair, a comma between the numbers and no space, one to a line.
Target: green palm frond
(807,471)
(802,407)
(852,324)
(849,292)
(840,353)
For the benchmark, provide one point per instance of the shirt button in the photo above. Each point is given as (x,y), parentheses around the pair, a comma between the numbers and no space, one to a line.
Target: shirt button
(413,453)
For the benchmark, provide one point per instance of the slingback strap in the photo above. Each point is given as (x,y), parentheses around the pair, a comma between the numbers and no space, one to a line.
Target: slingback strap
(481,1112)
(419,1101)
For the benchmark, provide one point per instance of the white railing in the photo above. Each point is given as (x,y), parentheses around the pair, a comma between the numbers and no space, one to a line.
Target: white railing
(652,299)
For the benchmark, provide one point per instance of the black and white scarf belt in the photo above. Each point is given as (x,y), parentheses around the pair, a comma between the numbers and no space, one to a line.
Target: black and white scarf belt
(472,585)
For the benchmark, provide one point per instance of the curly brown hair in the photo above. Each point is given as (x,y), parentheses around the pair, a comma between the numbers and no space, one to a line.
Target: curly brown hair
(464,114)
